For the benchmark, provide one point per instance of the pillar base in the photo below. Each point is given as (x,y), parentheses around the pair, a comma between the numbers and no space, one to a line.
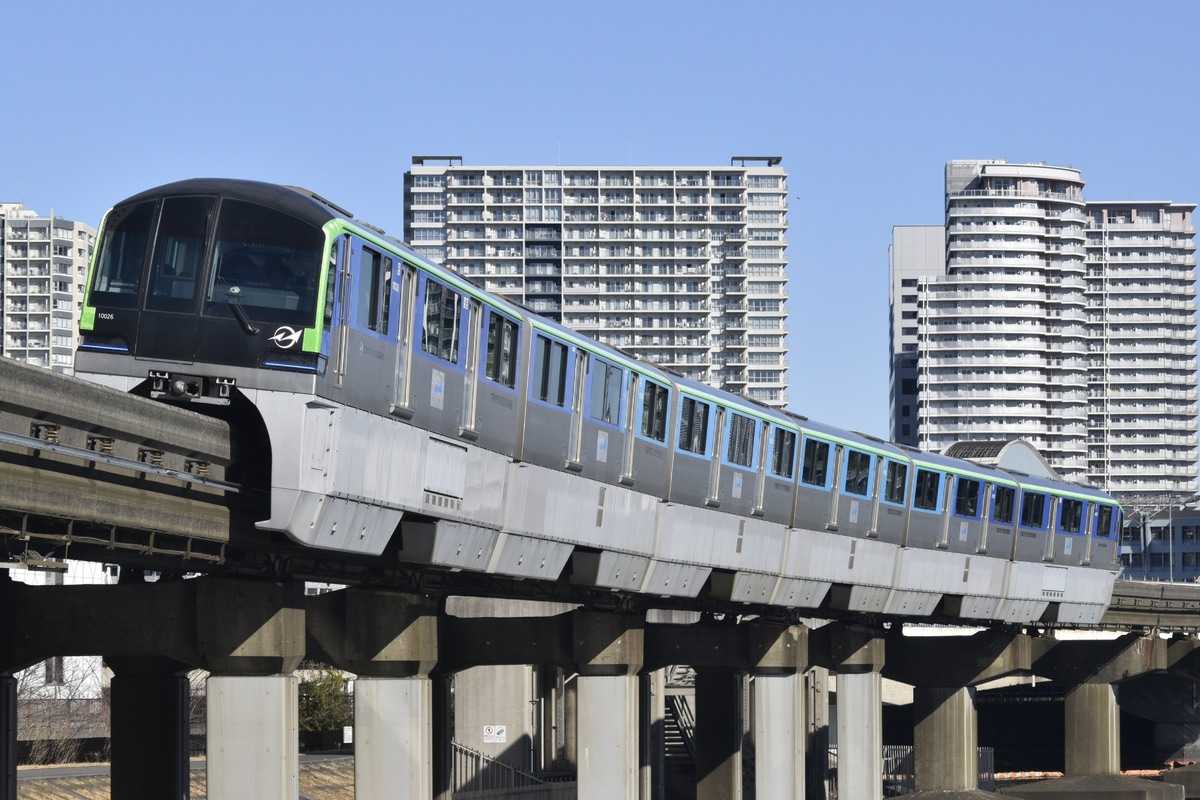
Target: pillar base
(1086,787)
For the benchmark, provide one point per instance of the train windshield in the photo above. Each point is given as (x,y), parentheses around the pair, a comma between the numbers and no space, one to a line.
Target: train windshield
(265,261)
(262,260)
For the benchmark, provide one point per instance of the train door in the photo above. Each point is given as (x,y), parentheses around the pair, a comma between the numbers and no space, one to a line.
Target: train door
(764,453)
(336,282)
(714,473)
(1089,526)
(943,540)
(168,322)
(467,427)
(835,494)
(406,282)
(626,476)
(1051,530)
(574,454)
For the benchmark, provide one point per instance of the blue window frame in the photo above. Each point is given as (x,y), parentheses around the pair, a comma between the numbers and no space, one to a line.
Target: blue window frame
(500,360)
(1071,515)
(694,419)
(1104,521)
(741,441)
(967,492)
(1004,503)
(815,469)
(856,473)
(606,392)
(440,322)
(548,378)
(927,490)
(655,404)
(372,294)
(1033,509)
(783,452)
(895,482)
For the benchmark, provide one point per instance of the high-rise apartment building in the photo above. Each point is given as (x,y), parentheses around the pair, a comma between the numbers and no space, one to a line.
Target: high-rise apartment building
(685,267)
(1065,322)
(43,267)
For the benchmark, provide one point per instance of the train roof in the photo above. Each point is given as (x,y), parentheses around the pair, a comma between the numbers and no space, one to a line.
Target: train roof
(301,203)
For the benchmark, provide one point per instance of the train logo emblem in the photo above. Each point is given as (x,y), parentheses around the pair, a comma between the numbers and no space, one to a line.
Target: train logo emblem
(285,337)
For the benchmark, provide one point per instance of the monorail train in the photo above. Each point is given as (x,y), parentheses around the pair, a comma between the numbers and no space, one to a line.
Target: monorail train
(410,410)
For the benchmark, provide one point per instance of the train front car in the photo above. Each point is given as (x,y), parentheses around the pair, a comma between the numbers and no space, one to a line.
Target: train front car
(205,285)
(216,294)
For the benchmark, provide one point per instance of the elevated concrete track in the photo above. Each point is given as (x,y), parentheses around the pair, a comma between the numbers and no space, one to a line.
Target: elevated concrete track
(91,473)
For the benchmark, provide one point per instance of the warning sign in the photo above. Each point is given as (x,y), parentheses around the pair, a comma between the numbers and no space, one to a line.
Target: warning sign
(494,734)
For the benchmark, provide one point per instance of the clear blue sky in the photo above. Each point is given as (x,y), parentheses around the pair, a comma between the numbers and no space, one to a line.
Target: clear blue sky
(865,102)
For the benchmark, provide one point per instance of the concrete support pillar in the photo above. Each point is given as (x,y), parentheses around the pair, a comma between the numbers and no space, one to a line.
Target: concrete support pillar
(443,714)
(1093,730)
(252,738)
(393,741)
(718,735)
(607,731)
(571,724)
(150,729)
(816,751)
(945,739)
(653,711)
(779,741)
(860,735)
(8,737)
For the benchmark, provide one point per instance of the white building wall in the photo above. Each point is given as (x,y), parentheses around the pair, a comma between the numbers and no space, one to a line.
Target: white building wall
(681,266)
(43,267)
(1067,323)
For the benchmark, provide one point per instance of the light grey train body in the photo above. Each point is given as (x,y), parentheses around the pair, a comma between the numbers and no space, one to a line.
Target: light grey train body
(489,439)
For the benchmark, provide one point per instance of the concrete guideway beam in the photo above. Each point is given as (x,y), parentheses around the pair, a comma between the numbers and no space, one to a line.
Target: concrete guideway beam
(224,625)
(373,633)
(957,661)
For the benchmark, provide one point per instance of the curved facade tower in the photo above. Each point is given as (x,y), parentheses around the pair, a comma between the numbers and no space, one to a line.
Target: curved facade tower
(1034,314)
(1002,346)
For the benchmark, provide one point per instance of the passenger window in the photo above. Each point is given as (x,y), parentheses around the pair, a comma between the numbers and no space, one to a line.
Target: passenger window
(605,400)
(1070,515)
(1033,510)
(925,493)
(439,329)
(740,448)
(501,365)
(1005,499)
(550,371)
(654,411)
(693,426)
(816,463)
(966,497)
(783,453)
(1104,518)
(896,482)
(858,473)
(374,283)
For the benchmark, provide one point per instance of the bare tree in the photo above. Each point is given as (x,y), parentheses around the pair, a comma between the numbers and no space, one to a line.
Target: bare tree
(61,705)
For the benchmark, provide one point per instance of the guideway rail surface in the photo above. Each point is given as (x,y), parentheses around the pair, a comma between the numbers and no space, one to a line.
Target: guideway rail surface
(81,464)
